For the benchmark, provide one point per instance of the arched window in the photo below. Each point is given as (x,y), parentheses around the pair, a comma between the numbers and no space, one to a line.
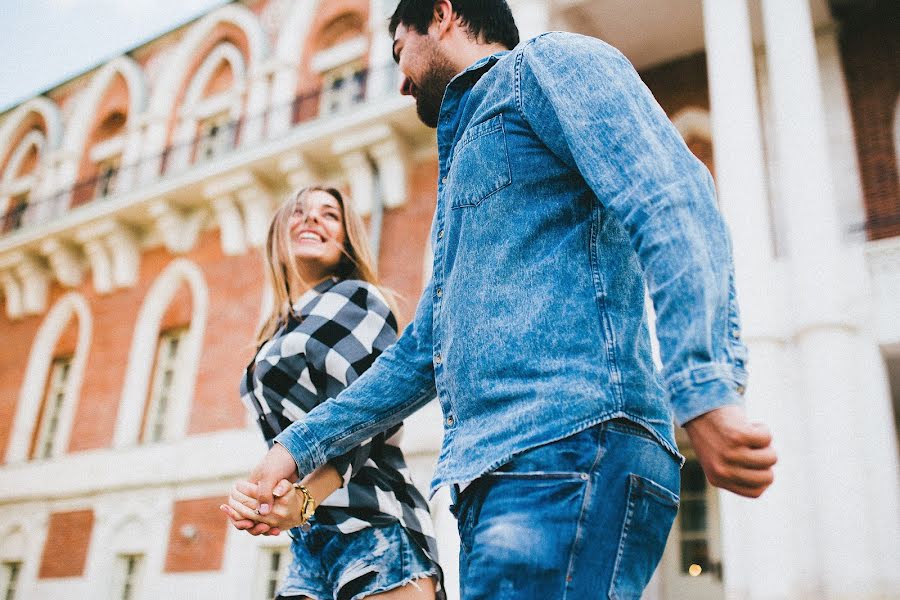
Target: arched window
(164,357)
(333,73)
(18,180)
(27,135)
(209,117)
(52,382)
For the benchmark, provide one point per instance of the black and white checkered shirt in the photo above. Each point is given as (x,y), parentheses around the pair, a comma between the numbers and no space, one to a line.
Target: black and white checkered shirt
(342,328)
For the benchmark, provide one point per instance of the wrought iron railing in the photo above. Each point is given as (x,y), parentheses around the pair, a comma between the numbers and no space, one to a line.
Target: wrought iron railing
(201,149)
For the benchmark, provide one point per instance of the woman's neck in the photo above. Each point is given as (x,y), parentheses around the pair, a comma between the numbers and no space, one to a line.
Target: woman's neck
(307,283)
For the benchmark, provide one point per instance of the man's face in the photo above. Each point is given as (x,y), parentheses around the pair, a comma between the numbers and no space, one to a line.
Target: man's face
(426,71)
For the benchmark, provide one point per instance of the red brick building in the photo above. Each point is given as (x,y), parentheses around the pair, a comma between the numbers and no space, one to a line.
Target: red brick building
(135,196)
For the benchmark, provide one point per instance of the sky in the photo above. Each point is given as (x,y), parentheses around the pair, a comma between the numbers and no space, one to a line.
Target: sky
(46,42)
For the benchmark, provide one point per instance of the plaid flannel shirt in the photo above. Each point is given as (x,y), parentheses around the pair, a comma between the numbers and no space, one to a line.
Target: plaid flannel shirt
(342,328)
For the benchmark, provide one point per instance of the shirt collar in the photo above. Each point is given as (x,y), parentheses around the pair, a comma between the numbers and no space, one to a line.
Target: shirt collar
(311,293)
(478,68)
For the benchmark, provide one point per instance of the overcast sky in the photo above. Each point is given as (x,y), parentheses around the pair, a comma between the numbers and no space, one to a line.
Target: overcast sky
(45,42)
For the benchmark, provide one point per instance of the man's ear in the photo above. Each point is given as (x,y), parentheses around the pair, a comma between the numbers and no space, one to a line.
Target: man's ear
(442,17)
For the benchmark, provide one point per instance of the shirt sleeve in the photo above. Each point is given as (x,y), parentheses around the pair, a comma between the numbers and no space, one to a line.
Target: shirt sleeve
(586,102)
(399,382)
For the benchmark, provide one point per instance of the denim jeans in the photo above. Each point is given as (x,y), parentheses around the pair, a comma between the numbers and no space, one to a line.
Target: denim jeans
(583,517)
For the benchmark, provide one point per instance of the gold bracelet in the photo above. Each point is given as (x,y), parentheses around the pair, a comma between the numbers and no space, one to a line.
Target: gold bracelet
(309,503)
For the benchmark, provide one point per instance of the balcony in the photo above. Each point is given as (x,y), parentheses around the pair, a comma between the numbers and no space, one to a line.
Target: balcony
(229,175)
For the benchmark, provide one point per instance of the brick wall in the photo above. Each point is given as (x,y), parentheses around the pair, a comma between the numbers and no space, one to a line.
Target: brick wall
(66,548)
(203,551)
(870,49)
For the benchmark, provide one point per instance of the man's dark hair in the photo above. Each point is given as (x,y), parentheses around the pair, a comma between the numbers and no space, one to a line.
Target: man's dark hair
(488,21)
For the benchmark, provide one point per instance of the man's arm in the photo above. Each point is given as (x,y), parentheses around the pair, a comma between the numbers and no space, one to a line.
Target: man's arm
(400,382)
(588,105)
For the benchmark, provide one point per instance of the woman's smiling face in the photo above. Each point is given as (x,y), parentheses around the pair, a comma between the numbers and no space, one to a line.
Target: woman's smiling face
(317,234)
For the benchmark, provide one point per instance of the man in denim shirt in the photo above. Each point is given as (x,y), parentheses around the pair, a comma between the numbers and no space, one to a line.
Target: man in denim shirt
(563,190)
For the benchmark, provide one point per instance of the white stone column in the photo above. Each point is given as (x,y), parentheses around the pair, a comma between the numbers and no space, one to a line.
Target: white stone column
(532,17)
(839,438)
(254,115)
(382,77)
(752,569)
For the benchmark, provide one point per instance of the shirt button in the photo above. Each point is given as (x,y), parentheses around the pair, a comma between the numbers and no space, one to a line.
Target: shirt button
(437,358)
(444,180)
(741,389)
(450,421)
(440,234)
(440,292)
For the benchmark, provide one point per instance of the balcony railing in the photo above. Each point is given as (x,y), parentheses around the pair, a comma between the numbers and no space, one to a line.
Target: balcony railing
(208,145)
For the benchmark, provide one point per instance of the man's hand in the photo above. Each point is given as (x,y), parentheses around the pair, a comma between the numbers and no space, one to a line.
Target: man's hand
(242,509)
(278,464)
(736,455)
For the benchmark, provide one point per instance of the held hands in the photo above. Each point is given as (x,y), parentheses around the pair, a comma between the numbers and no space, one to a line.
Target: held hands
(270,495)
(735,454)
(243,508)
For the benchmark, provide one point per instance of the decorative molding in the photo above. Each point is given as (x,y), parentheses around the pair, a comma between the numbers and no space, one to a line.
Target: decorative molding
(256,207)
(12,293)
(339,55)
(26,283)
(231,225)
(178,228)
(391,157)
(66,260)
(113,251)
(297,170)
(361,178)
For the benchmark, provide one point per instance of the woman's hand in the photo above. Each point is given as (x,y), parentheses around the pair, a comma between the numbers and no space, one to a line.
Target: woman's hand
(242,508)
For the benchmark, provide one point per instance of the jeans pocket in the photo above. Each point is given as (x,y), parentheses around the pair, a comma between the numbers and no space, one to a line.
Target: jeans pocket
(649,514)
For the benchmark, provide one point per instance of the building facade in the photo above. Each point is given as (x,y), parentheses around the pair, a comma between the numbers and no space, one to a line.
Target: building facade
(135,198)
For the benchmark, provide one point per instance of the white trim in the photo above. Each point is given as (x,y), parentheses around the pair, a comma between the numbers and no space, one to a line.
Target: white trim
(32,138)
(32,393)
(79,125)
(196,108)
(107,149)
(13,543)
(46,109)
(228,52)
(163,101)
(339,55)
(143,349)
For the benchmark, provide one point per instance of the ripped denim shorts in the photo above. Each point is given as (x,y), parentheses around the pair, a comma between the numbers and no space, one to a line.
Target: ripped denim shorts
(330,565)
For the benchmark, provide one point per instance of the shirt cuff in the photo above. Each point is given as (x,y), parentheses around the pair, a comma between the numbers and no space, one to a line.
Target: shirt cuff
(300,443)
(705,389)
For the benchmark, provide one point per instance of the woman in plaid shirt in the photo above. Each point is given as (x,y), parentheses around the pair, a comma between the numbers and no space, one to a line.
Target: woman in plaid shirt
(371,534)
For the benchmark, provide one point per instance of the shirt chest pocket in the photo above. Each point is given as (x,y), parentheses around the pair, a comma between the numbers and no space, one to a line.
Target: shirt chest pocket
(480,166)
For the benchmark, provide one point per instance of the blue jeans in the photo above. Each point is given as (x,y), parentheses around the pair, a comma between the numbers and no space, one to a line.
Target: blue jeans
(584,517)
(330,565)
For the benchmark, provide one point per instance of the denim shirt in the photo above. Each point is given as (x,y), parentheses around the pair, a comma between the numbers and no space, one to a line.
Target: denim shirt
(563,190)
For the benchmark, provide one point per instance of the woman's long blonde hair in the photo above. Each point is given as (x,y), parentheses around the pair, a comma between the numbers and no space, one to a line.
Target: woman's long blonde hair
(280,267)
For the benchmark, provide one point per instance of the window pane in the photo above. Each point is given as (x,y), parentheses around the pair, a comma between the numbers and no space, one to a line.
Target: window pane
(693,515)
(692,477)
(10,579)
(51,411)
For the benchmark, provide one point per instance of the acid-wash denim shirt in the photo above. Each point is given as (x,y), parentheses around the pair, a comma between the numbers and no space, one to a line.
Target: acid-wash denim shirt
(563,190)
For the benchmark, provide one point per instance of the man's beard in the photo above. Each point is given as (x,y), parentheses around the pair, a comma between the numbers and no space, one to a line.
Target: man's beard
(430,90)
